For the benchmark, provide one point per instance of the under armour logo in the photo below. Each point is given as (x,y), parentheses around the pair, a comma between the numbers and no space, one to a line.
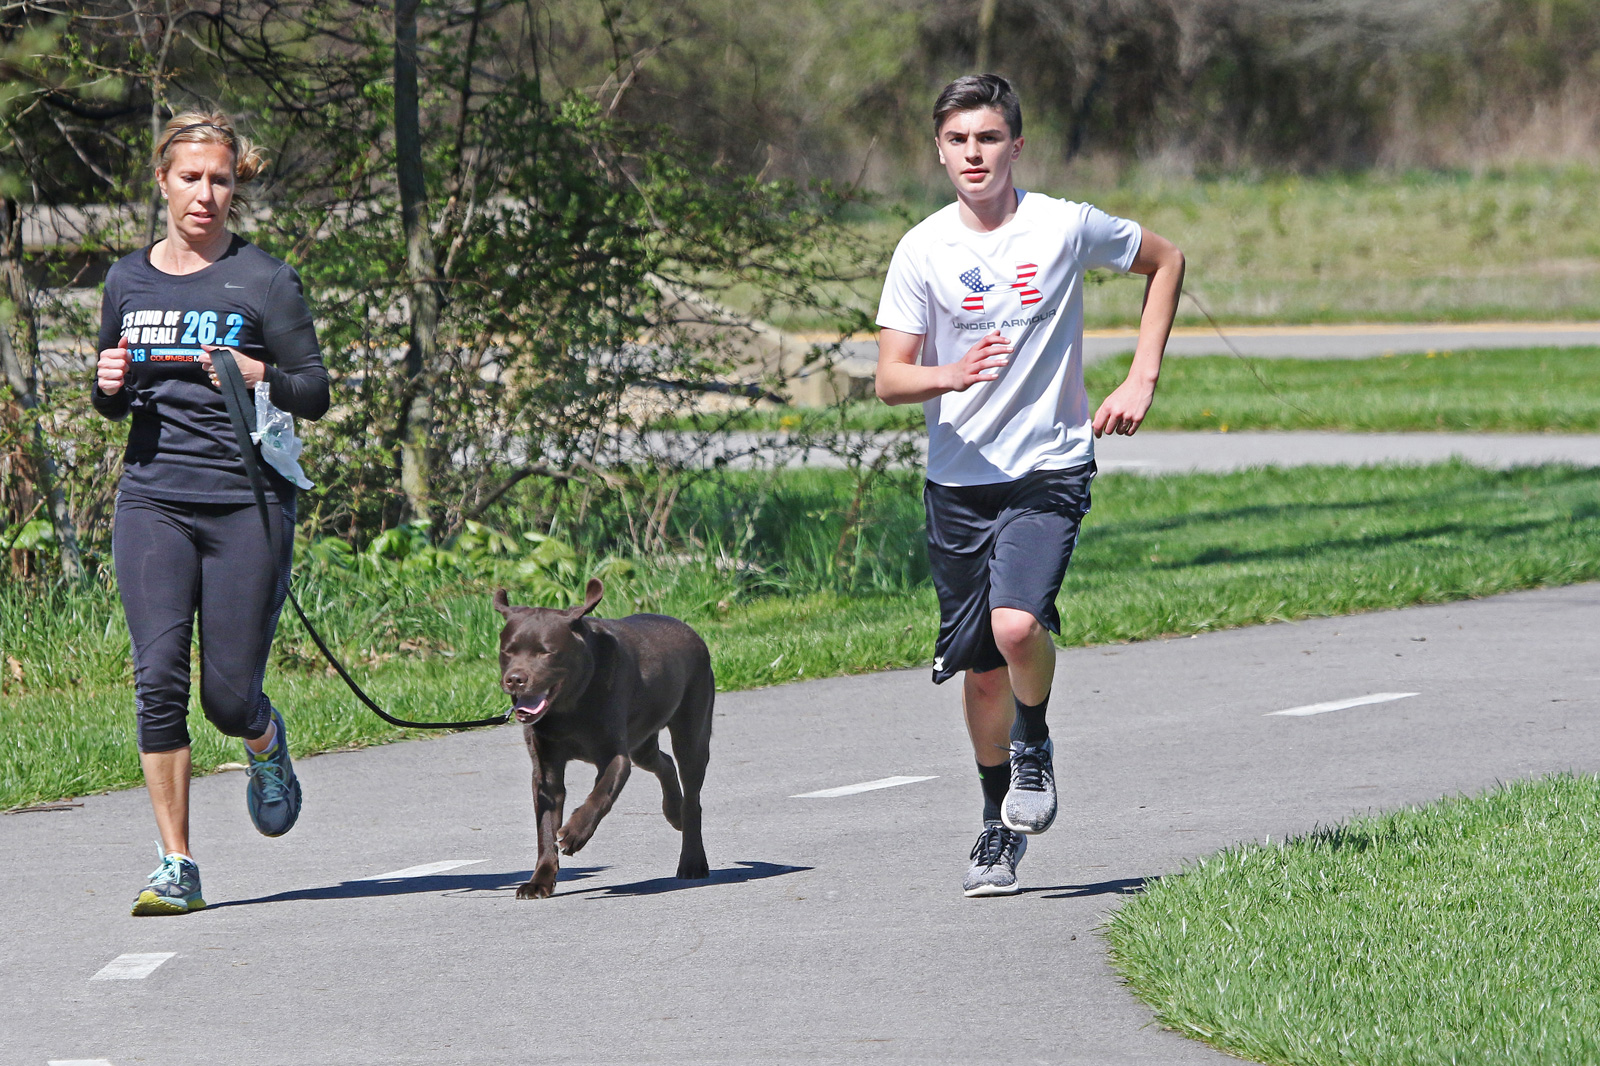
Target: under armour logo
(1023,286)
(938,662)
(973,280)
(1024,283)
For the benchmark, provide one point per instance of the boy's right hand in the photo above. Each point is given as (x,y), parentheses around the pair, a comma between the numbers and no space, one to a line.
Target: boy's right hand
(112,369)
(981,363)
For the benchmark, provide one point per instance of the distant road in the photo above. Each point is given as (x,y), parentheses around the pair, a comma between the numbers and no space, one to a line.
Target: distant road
(860,352)
(1185,452)
(1352,342)
(1178,452)
(1322,342)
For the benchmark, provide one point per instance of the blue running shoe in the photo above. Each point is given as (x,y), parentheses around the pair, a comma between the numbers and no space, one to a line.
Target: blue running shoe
(174,889)
(273,791)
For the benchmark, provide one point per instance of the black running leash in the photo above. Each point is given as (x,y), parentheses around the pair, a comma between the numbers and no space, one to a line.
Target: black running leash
(236,397)
(1270,391)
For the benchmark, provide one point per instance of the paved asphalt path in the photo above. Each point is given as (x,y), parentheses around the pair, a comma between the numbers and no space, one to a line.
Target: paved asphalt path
(1350,342)
(1176,452)
(1316,342)
(1158,452)
(832,930)
(1180,452)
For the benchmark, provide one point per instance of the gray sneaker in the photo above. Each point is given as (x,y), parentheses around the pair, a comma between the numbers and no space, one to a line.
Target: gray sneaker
(174,889)
(273,791)
(994,862)
(1030,804)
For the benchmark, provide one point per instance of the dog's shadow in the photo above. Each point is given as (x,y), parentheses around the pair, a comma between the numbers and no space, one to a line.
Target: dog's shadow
(452,884)
(1121,886)
(737,874)
(432,884)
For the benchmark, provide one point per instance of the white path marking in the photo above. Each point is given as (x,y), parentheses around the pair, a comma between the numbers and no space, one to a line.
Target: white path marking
(1340,705)
(135,967)
(865,786)
(425,870)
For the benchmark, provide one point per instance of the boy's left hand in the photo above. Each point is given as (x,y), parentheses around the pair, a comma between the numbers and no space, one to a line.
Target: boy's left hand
(1124,410)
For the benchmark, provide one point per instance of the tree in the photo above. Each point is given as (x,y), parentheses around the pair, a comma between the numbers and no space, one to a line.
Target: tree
(497,269)
(18,60)
(416,427)
(509,284)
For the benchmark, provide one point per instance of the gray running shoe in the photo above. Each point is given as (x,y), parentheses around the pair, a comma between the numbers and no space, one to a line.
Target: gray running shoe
(174,888)
(1030,804)
(994,862)
(273,791)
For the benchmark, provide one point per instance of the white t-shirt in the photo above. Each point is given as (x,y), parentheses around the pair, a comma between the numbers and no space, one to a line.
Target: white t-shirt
(953,285)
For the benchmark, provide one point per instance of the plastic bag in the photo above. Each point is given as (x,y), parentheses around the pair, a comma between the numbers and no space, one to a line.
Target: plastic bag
(275,433)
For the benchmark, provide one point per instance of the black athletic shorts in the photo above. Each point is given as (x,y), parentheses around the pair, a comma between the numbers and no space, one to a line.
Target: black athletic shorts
(1001,545)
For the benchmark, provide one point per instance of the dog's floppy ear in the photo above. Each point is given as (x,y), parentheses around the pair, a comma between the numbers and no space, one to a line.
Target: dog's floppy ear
(501,603)
(591,598)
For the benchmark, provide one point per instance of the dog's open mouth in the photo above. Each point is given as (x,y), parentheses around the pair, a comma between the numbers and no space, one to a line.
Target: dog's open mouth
(531,708)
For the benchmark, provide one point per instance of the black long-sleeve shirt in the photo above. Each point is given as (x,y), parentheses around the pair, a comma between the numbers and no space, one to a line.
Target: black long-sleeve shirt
(181,445)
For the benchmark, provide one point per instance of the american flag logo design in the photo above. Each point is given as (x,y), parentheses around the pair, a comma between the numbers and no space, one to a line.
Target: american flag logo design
(1024,286)
(973,280)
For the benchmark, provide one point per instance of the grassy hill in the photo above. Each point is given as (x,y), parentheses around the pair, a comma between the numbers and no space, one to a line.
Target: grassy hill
(1518,244)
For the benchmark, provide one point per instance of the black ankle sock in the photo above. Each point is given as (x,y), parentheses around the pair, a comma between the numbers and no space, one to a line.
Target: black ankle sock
(996,781)
(1029,725)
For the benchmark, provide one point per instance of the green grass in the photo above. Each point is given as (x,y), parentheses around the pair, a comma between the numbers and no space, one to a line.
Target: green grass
(1158,556)
(1467,931)
(1373,247)
(1521,390)
(1414,247)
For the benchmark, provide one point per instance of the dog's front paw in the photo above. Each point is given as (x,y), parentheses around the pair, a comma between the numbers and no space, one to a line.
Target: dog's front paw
(693,868)
(541,885)
(575,834)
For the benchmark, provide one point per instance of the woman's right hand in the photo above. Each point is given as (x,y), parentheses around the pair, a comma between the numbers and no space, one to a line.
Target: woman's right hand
(112,369)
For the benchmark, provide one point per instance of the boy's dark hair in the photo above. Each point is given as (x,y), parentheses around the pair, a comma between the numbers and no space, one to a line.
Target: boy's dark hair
(974,91)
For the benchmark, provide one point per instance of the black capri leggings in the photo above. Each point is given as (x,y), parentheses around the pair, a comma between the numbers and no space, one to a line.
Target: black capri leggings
(174,559)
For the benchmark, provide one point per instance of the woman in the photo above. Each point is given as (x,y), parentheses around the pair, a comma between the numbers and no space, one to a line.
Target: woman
(188,536)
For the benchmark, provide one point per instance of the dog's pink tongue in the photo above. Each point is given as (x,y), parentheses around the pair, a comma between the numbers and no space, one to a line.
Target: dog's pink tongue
(528,708)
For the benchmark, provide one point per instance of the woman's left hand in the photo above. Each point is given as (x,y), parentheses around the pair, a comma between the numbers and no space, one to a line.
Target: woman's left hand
(252,370)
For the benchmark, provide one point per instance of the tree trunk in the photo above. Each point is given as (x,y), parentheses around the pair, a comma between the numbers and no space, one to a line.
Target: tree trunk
(986,10)
(154,228)
(416,418)
(23,382)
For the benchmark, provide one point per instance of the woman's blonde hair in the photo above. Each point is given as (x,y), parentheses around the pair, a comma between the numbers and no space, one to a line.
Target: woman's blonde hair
(212,127)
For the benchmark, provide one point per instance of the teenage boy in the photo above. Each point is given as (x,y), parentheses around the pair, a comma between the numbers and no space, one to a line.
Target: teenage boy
(982,323)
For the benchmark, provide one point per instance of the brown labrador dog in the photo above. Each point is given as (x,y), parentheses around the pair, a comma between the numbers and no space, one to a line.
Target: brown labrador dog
(600,690)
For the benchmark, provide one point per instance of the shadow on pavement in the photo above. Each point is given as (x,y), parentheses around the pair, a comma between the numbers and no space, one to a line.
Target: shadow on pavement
(408,886)
(733,875)
(1122,886)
